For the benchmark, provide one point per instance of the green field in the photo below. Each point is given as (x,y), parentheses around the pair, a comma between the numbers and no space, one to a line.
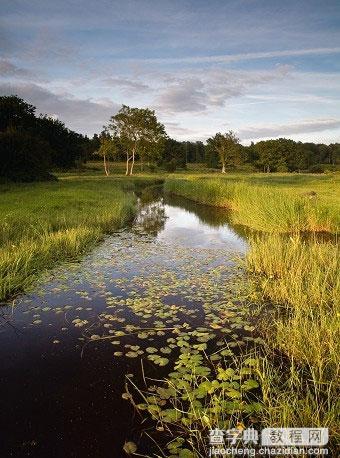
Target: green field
(44,223)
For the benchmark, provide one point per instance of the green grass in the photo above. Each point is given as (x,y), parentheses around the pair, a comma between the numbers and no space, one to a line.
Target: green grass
(45,223)
(299,276)
(268,203)
(303,279)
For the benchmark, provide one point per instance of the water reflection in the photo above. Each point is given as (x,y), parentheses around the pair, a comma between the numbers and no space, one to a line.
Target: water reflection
(174,219)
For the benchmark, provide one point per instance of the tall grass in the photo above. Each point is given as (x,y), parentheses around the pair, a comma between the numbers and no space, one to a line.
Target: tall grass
(42,224)
(262,206)
(304,278)
(300,371)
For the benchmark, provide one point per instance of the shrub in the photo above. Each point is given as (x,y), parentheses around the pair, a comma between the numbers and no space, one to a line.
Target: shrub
(316,168)
(170,166)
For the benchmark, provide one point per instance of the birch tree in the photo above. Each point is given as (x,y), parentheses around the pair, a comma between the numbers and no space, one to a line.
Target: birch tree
(136,128)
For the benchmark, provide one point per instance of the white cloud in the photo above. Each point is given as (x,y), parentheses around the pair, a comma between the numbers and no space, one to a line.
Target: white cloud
(229,58)
(281,130)
(199,91)
(8,69)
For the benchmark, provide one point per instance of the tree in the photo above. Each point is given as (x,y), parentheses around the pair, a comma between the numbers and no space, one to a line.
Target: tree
(16,113)
(136,129)
(24,157)
(67,146)
(107,150)
(227,147)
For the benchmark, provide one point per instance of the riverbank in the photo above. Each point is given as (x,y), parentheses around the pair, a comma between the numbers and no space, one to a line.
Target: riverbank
(275,203)
(46,223)
(300,277)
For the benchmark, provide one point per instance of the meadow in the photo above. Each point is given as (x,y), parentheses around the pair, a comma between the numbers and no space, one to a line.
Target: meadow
(292,268)
(45,223)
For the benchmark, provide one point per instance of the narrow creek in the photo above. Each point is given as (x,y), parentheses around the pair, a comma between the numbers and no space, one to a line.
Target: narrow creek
(66,347)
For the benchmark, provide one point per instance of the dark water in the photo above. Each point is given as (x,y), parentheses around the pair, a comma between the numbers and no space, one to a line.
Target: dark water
(61,389)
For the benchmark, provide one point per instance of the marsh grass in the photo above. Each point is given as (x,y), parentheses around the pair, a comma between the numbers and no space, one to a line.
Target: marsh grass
(45,223)
(300,277)
(265,205)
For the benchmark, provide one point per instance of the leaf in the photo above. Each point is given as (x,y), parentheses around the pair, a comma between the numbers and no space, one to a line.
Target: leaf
(251,362)
(130,448)
(131,354)
(249,384)
(95,337)
(151,350)
(186,453)
(233,393)
(170,415)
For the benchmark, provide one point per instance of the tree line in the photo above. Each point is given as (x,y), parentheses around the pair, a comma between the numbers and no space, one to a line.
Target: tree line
(32,146)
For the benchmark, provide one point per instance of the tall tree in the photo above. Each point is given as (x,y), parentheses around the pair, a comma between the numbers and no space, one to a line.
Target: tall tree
(107,150)
(136,128)
(227,147)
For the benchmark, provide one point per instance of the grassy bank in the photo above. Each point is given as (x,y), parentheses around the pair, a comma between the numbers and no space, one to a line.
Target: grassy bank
(282,203)
(299,372)
(45,223)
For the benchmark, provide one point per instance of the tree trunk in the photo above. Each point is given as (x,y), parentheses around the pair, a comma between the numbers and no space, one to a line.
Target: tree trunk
(133,162)
(127,164)
(106,168)
(223,167)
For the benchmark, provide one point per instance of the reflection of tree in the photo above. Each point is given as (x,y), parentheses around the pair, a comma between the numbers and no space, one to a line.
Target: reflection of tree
(213,216)
(151,194)
(151,217)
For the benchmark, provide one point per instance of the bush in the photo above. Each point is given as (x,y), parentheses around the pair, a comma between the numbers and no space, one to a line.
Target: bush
(316,168)
(152,168)
(171,166)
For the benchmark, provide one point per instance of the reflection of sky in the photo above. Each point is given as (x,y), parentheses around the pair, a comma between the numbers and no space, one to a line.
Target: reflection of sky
(185,228)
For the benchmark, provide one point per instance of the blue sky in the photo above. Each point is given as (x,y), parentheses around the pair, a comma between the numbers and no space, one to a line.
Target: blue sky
(262,68)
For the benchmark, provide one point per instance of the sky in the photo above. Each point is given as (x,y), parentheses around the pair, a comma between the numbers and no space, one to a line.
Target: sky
(262,68)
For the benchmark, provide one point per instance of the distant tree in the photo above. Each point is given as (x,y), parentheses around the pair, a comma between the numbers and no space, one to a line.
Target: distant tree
(334,153)
(227,147)
(107,150)
(136,129)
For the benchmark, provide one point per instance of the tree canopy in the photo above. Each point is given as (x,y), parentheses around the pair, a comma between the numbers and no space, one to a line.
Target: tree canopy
(139,132)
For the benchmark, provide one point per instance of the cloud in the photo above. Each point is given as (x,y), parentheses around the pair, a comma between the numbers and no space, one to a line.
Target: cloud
(211,88)
(82,115)
(8,69)
(128,85)
(186,95)
(229,58)
(280,130)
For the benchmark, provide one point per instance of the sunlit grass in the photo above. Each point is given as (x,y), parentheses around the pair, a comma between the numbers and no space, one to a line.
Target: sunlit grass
(299,372)
(270,204)
(45,223)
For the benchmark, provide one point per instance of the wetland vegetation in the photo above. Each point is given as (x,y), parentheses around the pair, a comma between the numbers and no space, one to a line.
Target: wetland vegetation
(224,315)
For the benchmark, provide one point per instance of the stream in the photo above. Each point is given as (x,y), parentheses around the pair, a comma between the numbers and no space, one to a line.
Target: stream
(67,346)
